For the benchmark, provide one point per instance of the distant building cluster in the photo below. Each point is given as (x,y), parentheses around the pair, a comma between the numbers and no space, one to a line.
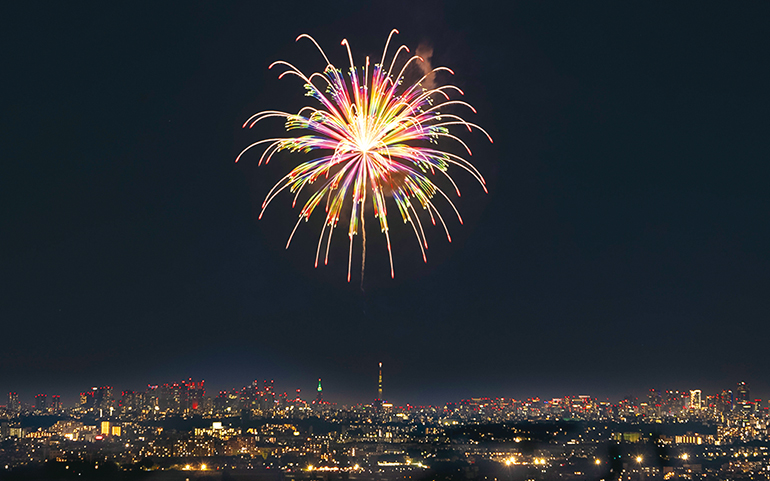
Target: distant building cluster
(178,426)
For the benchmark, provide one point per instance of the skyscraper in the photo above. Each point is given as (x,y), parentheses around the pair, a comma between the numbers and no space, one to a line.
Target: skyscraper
(379,402)
(13,402)
(103,400)
(379,389)
(319,398)
(695,399)
(41,403)
(267,402)
(742,393)
(725,403)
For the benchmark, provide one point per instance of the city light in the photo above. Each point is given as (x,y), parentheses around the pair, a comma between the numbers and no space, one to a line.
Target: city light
(279,433)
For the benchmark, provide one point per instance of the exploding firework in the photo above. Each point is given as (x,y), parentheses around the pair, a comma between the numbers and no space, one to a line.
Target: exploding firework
(375,132)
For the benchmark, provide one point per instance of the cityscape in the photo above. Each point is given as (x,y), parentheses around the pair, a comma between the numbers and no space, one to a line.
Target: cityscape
(180,431)
(550,254)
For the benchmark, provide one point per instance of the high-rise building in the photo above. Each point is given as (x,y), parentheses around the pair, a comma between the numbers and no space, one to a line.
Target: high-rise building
(379,401)
(191,396)
(13,402)
(379,385)
(654,402)
(127,403)
(283,400)
(151,399)
(267,397)
(675,402)
(251,396)
(41,403)
(103,402)
(725,402)
(56,404)
(695,399)
(220,403)
(233,404)
(319,398)
(742,394)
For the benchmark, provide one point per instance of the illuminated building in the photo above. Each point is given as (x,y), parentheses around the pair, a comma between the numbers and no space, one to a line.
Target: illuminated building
(695,399)
(105,428)
(127,403)
(742,394)
(87,400)
(725,401)
(169,398)
(103,400)
(233,401)
(191,396)
(151,399)
(13,402)
(267,402)
(251,396)
(319,398)
(675,402)
(41,403)
(378,402)
(220,403)
(56,404)
(655,402)
(379,384)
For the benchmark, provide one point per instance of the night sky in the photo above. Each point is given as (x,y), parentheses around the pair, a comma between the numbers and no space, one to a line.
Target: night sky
(624,244)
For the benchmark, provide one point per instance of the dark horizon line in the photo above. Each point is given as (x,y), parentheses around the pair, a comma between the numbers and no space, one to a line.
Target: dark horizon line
(6,395)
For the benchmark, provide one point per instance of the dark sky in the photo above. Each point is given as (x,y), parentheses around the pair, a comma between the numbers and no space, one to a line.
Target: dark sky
(624,244)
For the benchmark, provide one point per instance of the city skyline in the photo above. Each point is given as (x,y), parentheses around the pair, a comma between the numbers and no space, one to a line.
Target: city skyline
(176,430)
(738,394)
(622,245)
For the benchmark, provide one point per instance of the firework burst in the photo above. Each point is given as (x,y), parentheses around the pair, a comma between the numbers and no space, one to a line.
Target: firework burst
(371,131)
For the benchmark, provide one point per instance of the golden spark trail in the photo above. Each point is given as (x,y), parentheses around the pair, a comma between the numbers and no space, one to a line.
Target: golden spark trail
(370,130)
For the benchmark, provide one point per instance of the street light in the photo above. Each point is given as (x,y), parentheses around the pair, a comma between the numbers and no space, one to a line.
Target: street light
(508,463)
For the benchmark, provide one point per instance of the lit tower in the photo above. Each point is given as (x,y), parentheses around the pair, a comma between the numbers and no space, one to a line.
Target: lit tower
(379,389)
(319,398)
(378,402)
